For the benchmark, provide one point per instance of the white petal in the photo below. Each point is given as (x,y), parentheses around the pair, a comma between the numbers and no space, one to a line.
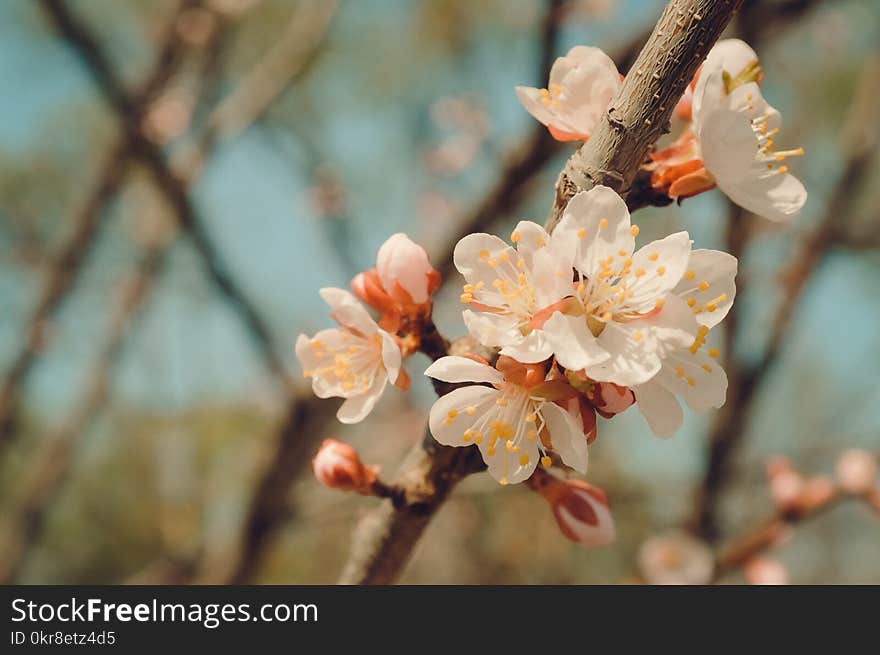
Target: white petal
(461,369)
(675,326)
(580,224)
(356,408)
(731,55)
(551,273)
(348,311)
(574,345)
(531,100)
(473,254)
(749,101)
(697,378)
(491,329)
(391,357)
(663,262)
(531,349)
(632,361)
(777,197)
(659,407)
(450,432)
(728,145)
(567,436)
(531,237)
(718,270)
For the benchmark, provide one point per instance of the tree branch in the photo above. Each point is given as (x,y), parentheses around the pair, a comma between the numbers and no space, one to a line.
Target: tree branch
(171,185)
(384,541)
(64,272)
(640,114)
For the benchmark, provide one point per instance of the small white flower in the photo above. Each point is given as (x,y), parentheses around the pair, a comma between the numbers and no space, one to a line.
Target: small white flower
(706,291)
(507,288)
(354,361)
(736,130)
(610,327)
(513,425)
(582,85)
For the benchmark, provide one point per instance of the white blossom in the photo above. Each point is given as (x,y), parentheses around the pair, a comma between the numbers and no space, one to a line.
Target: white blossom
(353,361)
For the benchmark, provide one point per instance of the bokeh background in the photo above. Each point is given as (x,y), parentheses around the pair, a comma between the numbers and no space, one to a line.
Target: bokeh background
(177,181)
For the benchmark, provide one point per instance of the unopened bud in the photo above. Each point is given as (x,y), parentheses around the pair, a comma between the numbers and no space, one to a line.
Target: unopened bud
(611,399)
(765,571)
(405,271)
(338,466)
(786,489)
(580,509)
(676,558)
(857,471)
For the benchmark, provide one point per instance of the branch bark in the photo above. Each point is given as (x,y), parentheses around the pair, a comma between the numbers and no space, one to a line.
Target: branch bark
(64,272)
(384,541)
(171,185)
(640,114)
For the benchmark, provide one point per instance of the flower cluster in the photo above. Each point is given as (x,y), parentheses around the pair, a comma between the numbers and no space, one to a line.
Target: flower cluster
(586,325)
(729,140)
(576,325)
(356,360)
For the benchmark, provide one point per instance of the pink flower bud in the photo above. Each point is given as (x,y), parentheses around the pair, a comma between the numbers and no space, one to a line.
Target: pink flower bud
(404,270)
(676,558)
(777,464)
(786,489)
(580,509)
(338,466)
(857,471)
(765,571)
(611,399)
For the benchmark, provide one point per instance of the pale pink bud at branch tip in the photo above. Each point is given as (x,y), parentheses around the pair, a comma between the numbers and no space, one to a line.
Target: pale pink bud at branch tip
(337,466)
(857,471)
(580,509)
(765,571)
(405,271)
(401,284)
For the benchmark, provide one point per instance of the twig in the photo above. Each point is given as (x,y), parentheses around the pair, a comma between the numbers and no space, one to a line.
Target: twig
(640,114)
(26,518)
(64,273)
(288,59)
(385,539)
(766,533)
(286,461)
(525,161)
(171,185)
(731,422)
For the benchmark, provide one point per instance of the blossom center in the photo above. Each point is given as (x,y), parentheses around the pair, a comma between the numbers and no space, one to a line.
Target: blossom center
(352,366)
(512,292)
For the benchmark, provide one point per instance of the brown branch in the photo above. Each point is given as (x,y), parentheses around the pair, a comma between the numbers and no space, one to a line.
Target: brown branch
(171,185)
(767,533)
(384,540)
(64,273)
(52,465)
(523,163)
(731,422)
(267,508)
(640,114)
